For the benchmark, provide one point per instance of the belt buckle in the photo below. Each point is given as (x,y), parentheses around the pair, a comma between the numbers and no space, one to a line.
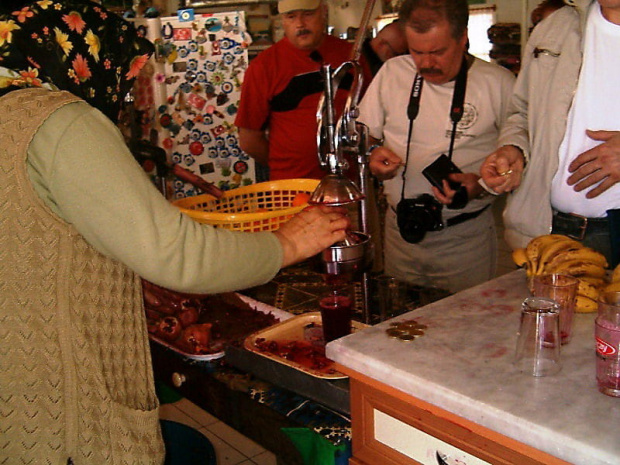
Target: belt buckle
(582,227)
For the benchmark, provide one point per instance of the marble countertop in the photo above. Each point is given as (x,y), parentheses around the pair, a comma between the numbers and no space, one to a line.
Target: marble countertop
(463,364)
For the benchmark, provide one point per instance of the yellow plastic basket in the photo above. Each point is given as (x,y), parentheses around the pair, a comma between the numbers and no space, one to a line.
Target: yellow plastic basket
(257,207)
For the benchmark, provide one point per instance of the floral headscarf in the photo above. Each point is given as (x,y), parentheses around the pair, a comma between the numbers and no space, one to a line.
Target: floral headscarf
(72,45)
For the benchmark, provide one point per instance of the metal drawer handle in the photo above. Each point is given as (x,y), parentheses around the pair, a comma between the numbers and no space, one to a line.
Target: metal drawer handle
(442,459)
(178,379)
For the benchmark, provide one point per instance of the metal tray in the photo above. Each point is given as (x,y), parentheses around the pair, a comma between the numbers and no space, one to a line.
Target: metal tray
(259,306)
(294,329)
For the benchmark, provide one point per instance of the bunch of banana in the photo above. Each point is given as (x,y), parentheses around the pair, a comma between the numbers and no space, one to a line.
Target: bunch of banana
(556,253)
(614,282)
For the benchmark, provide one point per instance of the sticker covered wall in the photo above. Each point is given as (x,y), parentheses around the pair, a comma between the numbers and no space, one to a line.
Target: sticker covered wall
(190,98)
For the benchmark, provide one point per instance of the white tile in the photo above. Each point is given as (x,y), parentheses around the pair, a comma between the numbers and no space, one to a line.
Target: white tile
(240,442)
(266,458)
(224,452)
(200,416)
(171,412)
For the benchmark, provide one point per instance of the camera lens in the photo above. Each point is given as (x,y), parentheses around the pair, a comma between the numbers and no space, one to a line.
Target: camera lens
(417,216)
(412,232)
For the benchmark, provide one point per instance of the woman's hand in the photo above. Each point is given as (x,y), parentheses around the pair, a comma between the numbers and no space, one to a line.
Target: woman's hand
(311,231)
(384,163)
(502,170)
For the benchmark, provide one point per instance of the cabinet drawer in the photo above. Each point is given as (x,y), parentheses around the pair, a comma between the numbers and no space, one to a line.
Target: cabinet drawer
(418,445)
(393,428)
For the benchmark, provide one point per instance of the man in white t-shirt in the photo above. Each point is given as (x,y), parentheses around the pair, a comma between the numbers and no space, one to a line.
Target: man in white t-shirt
(561,143)
(458,251)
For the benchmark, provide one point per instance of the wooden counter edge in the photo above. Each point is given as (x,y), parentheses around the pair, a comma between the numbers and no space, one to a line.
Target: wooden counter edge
(368,394)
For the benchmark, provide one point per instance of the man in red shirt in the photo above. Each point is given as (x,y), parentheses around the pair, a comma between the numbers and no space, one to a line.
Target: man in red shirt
(281,90)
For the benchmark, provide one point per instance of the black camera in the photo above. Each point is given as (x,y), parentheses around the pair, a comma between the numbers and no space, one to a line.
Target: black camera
(417,216)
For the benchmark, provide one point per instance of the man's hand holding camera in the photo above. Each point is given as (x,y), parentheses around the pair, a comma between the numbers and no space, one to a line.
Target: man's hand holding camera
(468,180)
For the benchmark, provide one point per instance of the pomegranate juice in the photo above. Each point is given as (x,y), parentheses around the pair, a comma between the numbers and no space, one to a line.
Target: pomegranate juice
(336,316)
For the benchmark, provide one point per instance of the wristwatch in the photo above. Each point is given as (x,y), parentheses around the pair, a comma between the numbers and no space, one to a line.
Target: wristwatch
(372,147)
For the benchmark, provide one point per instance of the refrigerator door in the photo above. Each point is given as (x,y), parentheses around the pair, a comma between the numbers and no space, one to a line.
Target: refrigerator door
(195,86)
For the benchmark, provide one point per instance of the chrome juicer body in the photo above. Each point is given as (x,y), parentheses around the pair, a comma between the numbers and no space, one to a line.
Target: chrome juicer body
(353,256)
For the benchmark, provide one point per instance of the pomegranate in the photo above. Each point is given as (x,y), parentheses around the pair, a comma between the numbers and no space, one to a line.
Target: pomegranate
(188,316)
(169,328)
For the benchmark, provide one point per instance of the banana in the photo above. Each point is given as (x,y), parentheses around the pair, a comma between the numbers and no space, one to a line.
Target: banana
(535,247)
(587,289)
(584,254)
(599,283)
(552,250)
(615,275)
(519,257)
(585,304)
(579,268)
(614,286)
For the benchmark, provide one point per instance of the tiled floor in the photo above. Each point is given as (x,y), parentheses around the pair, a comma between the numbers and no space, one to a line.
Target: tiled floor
(232,448)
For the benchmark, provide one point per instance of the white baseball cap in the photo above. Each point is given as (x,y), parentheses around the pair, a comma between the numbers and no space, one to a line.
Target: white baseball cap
(284,6)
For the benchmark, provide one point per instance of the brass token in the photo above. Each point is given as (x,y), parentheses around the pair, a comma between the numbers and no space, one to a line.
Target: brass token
(415,332)
(406,337)
(394,332)
(422,327)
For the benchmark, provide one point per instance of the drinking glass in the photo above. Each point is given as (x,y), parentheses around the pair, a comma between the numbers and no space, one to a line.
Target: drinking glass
(336,312)
(607,335)
(562,289)
(538,344)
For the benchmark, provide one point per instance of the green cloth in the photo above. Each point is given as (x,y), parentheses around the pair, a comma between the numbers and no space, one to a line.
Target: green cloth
(314,448)
(166,394)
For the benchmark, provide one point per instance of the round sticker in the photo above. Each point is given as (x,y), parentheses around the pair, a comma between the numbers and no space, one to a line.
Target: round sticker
(165,120)
(240,167)
(196,148)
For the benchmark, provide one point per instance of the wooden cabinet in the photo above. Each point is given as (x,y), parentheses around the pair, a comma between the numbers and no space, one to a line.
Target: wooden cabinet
(390,427)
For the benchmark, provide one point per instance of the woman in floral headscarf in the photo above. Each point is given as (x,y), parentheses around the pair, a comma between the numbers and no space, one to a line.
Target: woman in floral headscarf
(73,46)
(80,223)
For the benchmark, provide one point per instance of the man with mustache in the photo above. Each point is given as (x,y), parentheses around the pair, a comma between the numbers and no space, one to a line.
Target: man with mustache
(281,89)
(457,249)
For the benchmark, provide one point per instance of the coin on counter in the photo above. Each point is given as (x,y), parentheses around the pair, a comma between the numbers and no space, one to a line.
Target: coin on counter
(415,332)
(406,337)
(394,332)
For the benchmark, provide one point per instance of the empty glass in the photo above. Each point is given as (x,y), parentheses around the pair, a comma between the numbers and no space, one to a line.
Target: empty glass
(538,344)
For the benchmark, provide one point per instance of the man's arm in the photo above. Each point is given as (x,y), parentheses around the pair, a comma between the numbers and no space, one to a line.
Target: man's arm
(255,144)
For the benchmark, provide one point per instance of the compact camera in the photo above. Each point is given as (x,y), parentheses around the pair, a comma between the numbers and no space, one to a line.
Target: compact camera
(439,170)
(417,216)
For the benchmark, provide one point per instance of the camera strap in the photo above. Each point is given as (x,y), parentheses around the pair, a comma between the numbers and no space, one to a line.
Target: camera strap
(456,111)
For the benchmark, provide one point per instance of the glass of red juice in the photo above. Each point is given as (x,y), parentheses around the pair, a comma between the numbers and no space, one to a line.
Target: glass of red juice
(336,312)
